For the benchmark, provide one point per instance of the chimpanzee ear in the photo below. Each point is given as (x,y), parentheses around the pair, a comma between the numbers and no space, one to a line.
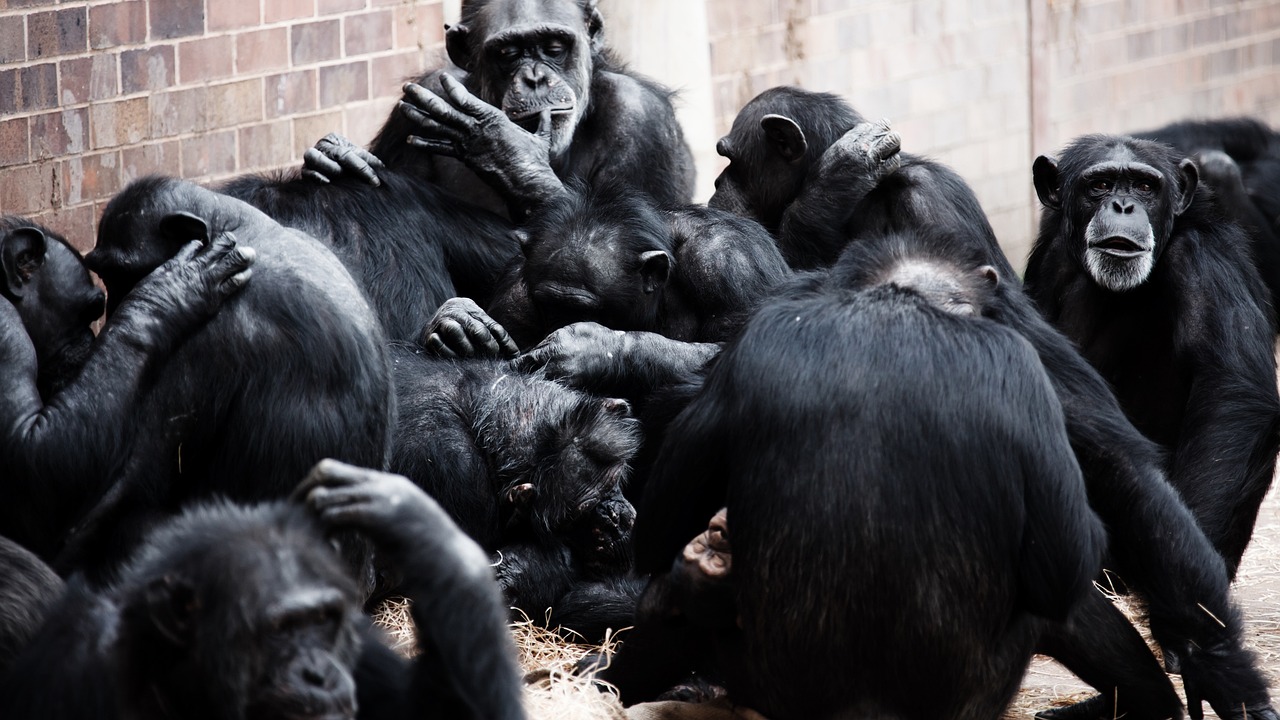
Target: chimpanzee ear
(171,608)
(1188,181)
(457,42)
(21,254)
(1045,174)
(990,274)
(617,406)
(655,267)
(595,27)
(784,136)
(181,228)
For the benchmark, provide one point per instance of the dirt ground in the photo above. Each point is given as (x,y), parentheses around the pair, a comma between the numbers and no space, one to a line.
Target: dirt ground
(1257,592)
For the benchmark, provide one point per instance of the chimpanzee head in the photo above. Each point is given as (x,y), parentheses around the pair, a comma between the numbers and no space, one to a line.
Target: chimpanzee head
(45,279)
(243,613)
(601,254)
(943,270)
(1114,200)
(774,141)
(531,57)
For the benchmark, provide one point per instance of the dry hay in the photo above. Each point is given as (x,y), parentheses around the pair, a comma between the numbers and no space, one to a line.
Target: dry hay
(547,657)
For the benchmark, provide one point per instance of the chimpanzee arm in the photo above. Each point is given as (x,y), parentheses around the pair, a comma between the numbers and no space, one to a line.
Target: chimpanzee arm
(467,667)
(1228,441)
(813,225)
(614,363)
(76,435)
(1154,538)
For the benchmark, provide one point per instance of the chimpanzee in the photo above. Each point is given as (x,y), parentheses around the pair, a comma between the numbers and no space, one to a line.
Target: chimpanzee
(1239,158)
(533,98)
(410,246)
(291,371)
(28,588)
(605,254)
(244,612)
(66,400)
(1137,266)
(529,469)
(1160,550)
(878,430)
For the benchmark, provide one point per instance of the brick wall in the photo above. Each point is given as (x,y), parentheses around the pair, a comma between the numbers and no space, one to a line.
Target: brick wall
(95,94)
(986,85)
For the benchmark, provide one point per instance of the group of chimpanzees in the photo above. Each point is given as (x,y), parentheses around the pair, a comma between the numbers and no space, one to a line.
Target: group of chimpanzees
(869,471)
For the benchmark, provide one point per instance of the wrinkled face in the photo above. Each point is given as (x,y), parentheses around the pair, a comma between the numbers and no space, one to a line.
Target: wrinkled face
(759,182)
(533,59)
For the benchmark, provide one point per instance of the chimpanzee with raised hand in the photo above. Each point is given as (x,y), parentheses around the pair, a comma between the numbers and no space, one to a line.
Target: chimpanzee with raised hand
(533,99)
(68,400)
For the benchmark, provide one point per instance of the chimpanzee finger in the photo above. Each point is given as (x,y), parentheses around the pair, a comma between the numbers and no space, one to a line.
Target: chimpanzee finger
(479,334)
(532,361)
(544,124)
(430,126)
(328,472)
(433,106)
(438,348)
(455,336)
(439,147)
(506,346)
(319,166)
(373,160)
(462,99)
(353,162)
(187,252)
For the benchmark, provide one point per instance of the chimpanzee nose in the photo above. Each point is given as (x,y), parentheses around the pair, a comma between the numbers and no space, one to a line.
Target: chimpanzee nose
(1122,206)
(533,76)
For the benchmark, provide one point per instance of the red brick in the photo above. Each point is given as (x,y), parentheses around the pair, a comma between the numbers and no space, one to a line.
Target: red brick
(8,92)
(103,81)
(27,190)
(119,23)
(235,103)
(277,10)
(289,93)
(308,130)
(262,50)
(367,33)
(4,4)
(147,69)
(14,145)
(205,59)
(266,145)
(38,87)
(344,83)
(59,32)
(364,120)
(211,154)
(315,42)
(418,26)
(180,111)
(75,224)
(90,177)
(329,7)
(13,39)
(177,18)
(391,72)
(161,158)
(234,14)
(59,133)
(124,122)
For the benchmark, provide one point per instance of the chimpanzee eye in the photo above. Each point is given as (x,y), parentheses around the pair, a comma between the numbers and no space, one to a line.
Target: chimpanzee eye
(554,49)
(1142,186)
(509,53)
(1100,185)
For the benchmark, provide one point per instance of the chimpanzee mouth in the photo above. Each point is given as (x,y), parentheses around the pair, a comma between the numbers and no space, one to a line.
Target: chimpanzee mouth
(528,119)
(1119,246)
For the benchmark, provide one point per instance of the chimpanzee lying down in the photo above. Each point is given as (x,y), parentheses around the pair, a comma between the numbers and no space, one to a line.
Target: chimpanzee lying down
(246,612)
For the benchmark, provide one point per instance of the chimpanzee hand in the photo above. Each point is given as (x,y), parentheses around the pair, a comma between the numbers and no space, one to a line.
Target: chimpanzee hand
(583,355)
(188,289)
(389,509)
(862,156)
(335,154)
(1208,674)
(514,161)
(460,329)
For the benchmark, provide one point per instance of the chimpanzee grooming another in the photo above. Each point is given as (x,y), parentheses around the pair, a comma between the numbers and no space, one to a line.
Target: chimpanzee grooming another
(291,371)
(1137,266)
(533,99)
(878,431)
(410,246)
(529,469)
(1239,158)
(66,400)
(28,588)
(230,612)
(1155,542)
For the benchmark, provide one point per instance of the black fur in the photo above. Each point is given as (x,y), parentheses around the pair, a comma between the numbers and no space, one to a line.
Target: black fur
(28,588)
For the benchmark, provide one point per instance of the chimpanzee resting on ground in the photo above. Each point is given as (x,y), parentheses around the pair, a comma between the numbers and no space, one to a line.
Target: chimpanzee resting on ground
(245,612)
(292,370)
(532,471)
(67,401)
(1137,266)
(533,99)
(959,504)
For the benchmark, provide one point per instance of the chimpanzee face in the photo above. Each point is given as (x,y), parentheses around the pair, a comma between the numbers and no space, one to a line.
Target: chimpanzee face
(1119,199)
(47,282)
(767,164)
(531,58)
